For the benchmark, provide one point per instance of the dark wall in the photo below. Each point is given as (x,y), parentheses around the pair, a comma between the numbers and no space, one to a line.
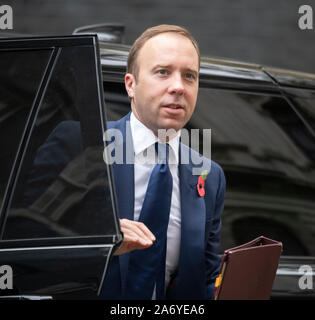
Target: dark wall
(260,31)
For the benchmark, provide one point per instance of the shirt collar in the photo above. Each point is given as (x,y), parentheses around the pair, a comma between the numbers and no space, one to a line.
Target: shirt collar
(143,138)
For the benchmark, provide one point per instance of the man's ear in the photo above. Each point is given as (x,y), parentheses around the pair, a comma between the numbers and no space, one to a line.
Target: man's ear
(130,83)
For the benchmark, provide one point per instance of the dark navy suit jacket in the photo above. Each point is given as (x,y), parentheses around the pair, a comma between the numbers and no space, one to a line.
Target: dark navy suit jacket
(200,216)
(200,228)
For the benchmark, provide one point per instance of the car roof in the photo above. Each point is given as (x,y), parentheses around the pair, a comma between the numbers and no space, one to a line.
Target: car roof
(114,57)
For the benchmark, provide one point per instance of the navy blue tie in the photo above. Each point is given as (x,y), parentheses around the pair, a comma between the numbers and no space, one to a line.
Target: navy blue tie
(147,266)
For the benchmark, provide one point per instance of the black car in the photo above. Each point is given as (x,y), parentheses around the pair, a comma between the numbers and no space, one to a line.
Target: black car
(59,224)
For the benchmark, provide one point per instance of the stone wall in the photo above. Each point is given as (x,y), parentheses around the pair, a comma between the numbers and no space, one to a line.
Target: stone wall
(260,31)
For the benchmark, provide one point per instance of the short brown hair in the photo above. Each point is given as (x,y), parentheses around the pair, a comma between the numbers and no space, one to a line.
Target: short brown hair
(132,66)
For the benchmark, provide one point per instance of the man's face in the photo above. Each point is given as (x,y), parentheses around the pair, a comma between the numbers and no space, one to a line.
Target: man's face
(165,93)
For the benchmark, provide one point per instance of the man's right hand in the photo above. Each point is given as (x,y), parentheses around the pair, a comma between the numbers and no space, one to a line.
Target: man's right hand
(136,236)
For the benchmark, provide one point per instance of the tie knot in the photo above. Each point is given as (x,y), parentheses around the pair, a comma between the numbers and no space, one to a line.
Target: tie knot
(162,150)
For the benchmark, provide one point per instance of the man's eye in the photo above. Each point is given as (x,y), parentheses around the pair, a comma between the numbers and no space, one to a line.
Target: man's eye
(162,72)
(190,76)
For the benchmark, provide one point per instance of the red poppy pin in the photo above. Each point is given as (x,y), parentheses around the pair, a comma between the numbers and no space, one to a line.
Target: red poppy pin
(201,184)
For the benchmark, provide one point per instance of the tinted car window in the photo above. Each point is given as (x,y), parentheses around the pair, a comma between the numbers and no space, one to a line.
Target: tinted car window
(304,102)
(117,100)
(307,105)
(62,186)
(19,82)
(270,175)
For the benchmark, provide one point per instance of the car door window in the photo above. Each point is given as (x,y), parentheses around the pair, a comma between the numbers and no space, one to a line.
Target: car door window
(260,142)
(62,185)
(19,80)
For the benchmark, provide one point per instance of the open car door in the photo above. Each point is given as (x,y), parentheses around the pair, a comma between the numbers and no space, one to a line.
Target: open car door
(58,221)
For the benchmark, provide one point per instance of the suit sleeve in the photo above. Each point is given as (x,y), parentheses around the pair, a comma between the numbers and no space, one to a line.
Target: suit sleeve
(213,230)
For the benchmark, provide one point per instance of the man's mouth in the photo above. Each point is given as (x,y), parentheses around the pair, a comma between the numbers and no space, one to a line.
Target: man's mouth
(174,106)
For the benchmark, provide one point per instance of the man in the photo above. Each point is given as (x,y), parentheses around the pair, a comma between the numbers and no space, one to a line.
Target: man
(162,83)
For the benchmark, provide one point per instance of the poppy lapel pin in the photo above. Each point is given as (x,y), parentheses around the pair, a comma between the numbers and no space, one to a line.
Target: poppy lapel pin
(201,183)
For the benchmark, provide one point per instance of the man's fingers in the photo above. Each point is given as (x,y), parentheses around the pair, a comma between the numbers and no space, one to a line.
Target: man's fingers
(136,236)
(146,231)
(138,229)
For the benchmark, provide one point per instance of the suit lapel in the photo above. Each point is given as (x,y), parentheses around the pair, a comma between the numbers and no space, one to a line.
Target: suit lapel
(124,173)
(124,185)
(193,220)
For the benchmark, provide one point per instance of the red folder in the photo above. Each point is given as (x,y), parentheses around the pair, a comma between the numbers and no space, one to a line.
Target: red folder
(248,271)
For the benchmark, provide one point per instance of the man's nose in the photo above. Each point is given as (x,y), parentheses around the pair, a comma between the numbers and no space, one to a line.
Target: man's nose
(177,85)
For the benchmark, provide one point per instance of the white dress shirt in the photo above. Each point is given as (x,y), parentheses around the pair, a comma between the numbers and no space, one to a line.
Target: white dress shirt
(143,142)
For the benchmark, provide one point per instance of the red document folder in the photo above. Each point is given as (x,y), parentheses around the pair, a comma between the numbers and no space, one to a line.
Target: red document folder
(248,271)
